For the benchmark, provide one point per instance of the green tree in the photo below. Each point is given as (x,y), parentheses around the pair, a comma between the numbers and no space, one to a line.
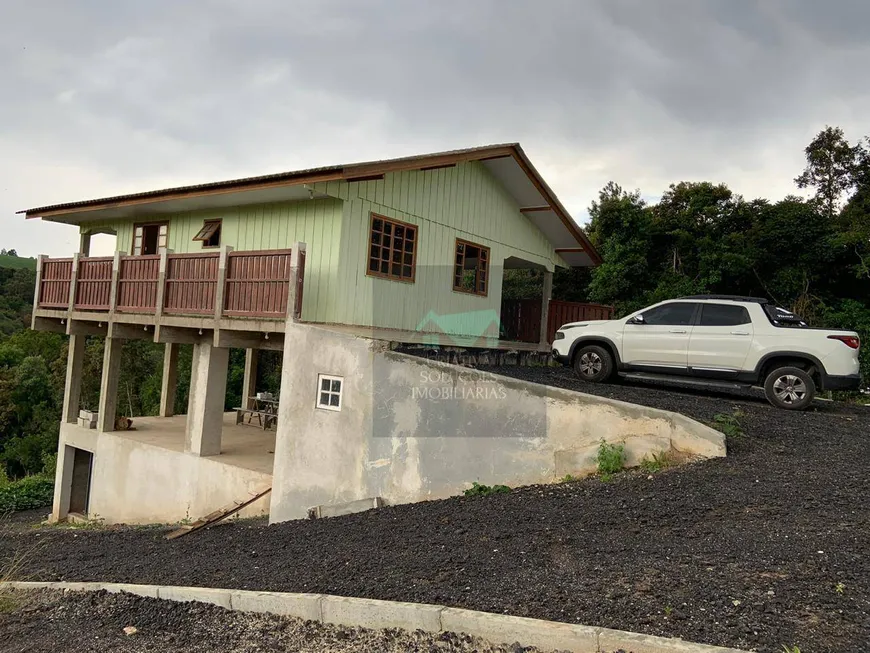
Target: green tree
(854,223)
(830,169)
(621,228)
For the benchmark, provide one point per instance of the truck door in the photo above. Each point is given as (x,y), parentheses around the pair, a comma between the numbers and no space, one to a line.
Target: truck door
(720,340)
(659,337)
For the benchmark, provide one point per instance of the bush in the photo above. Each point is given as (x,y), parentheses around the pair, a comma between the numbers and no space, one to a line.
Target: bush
(728,424)
(478,490)
(27,493)
(611,459)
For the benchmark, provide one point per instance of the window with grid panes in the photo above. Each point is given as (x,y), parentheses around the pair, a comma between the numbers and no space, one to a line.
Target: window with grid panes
(392,249)
(150,238)
(471,268)
(329,392)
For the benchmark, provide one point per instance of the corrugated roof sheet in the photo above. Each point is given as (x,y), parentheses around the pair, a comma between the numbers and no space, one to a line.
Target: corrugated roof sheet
(242,182)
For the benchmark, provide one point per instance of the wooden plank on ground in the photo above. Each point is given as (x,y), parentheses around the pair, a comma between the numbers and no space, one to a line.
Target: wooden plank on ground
(217,515)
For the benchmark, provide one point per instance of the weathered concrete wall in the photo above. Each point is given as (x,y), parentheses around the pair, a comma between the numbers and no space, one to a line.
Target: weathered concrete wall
(137,483)
(411,429)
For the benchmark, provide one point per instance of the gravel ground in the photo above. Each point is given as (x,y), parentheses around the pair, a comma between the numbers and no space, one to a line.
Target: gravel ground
(765,548)
(94,622)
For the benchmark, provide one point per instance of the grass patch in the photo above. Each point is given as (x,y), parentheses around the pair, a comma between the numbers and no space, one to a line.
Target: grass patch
(568,478)
(30,492)
(12,563)
(729,424)
(17,262)
(656,463)
(611,459)
(478,490)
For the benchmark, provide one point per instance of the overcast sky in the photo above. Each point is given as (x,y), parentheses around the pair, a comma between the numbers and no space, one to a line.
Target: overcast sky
(100,97)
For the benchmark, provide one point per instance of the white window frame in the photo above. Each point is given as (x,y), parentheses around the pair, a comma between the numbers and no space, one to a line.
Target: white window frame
(329,377)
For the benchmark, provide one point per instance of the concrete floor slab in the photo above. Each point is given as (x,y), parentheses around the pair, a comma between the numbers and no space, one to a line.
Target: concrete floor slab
(248,447)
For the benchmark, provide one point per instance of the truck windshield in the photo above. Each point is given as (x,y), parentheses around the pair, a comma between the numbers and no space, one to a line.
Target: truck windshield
(783,318)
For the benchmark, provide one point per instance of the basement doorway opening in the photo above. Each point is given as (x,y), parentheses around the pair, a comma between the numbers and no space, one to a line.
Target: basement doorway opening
(80,488)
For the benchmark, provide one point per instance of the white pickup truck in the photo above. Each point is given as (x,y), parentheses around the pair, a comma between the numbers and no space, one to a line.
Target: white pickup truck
(716,341)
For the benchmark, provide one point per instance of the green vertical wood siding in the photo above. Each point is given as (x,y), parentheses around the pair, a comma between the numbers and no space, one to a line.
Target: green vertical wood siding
(461,202)
(464,201)
(267,226)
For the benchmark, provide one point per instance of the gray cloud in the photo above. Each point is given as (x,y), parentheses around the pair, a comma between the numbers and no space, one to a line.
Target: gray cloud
(105,97)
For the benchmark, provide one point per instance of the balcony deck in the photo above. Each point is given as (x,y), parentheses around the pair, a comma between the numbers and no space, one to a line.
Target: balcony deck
(237,299)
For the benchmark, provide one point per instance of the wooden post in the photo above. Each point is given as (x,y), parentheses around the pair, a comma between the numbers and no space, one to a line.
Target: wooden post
(113,292)
(40,262)
(220,287)
(545,308)
(297,266)
(85,243)
(161,284)
(73,281)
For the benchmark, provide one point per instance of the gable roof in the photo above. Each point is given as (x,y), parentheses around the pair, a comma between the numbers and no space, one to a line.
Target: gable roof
(507,163)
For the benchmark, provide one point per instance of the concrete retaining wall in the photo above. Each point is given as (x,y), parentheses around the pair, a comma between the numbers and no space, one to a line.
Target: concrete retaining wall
(411,429)
(137,483)
(369,613)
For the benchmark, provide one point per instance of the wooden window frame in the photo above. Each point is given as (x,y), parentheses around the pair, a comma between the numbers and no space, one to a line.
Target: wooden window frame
(482,249)
(158,223)
(208,223)
(368,258)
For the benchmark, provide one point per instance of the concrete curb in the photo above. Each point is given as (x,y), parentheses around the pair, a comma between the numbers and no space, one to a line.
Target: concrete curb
(375,614)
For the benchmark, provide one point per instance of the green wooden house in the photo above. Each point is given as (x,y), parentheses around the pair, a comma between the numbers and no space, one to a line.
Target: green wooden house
(414,245)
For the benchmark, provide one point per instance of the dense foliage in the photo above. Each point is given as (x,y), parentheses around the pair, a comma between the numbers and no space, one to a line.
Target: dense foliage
(27,493)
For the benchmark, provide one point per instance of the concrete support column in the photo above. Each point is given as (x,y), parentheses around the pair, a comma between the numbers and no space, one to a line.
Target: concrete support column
(109,385)
(249,387)
(62,482)
(545,307)
(73,388)
(170,380)
(205,408)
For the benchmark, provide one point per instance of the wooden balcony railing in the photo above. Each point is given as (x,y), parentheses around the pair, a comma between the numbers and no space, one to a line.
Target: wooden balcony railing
(138,277)
(255,284)
(94,284)
(55,282)
(191,280)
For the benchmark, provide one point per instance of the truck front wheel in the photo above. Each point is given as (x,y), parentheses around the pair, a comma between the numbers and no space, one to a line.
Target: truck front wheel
(790,388)
(593,363)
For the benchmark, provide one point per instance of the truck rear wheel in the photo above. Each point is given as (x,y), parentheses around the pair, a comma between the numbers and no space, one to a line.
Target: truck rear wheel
(790,388)
(593,363)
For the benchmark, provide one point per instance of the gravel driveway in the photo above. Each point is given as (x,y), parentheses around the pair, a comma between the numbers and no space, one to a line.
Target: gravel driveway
(765,548)
(52,622)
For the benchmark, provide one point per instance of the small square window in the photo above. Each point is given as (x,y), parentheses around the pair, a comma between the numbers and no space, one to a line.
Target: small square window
(329,391)
(210,234)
